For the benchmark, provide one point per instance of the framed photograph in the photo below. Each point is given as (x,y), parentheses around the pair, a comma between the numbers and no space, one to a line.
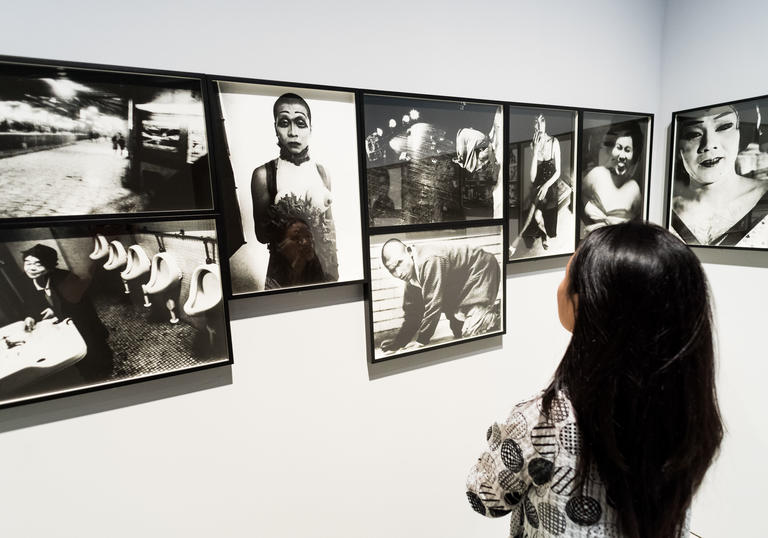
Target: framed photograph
(543,149)
(95,305)
(718,190)
(435,288)
(614,168)
(288,172)
(432,160)
(80,141)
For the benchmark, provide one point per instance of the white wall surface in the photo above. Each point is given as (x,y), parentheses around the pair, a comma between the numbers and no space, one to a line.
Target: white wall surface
(302,437)
(713,52)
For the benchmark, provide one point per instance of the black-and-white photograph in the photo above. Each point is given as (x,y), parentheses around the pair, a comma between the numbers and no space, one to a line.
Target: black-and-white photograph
(95,305)
(289,175)
(436,287)
(432,160)
(542,220)
(614,169)
(719,184)
(85,142)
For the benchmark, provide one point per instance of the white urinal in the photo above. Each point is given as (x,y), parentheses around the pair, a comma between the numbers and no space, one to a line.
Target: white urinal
(204,289)
(165,271)
(138,265)
(117,256)
(100,248)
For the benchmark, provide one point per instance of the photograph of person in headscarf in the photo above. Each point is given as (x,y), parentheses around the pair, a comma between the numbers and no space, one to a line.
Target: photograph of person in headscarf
(435,287)
(290,156)
(615,171)
(720,177)
(544,224)
(439,161)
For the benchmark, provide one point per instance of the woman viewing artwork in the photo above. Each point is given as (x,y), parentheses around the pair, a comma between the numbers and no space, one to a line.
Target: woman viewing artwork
(619,442)
(290,181)
(720,178)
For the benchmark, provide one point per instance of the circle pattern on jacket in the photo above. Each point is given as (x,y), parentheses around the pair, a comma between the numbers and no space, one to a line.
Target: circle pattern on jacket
(570,438)
(552,519)
(544,439)
(540,470)
(511,482)
(477,504)
(493,435)
(518,426)
(583,510)
(512,456)
(564,481)
(530,513)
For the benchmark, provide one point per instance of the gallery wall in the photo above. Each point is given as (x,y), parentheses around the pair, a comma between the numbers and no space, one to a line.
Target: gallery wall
(710,58)
(302,437)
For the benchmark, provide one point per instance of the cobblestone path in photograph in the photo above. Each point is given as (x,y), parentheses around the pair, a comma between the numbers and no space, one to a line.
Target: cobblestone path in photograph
(80,178)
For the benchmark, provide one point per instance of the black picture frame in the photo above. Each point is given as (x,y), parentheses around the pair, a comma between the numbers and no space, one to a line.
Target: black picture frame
(434,144)
(520,209)
(592,131)
(236,236)
(199,340)
(738,149)
(166,171)
(380,281)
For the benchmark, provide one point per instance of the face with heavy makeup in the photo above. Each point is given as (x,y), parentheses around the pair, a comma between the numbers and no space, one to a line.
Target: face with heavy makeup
(398,260)
(292,126)
(617,152)
(708,143)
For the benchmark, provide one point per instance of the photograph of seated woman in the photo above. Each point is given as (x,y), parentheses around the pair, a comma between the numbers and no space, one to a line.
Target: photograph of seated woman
(611,191)
(294,185)
(431,161)
(620,440)
(541,217)
(719,194)
(52,292)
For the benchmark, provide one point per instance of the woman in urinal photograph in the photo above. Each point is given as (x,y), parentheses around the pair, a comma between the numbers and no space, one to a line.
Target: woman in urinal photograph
(290,173)
(91,305)
(719,188)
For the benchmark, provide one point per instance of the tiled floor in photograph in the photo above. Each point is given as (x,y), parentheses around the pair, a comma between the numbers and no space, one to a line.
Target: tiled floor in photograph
(144,347)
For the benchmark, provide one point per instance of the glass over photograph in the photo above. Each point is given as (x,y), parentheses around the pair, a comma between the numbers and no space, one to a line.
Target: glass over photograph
(288,171)
(87,306)
(542,148)
(89,142)
(432,160)
(435,287)
(614,169)
(719,186)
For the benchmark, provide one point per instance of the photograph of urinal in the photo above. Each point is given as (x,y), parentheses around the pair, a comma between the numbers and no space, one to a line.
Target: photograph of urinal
(117,256)
(164,274)
(204,289)
(100,247)
(49,275)
(137,265)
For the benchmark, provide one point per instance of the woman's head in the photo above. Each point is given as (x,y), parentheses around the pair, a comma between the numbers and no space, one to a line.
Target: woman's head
(621,147)
(293,123)
(539,124)
(39,260)
(639,371)
(708,143)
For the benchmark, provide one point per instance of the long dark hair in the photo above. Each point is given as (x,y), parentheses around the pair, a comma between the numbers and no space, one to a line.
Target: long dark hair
(640,373)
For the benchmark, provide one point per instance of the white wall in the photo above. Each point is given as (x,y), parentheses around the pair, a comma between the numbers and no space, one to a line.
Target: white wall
(302,437)
(713,53)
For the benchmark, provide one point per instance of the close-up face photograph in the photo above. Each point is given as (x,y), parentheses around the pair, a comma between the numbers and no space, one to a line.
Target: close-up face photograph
(292,126)
(709,143)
